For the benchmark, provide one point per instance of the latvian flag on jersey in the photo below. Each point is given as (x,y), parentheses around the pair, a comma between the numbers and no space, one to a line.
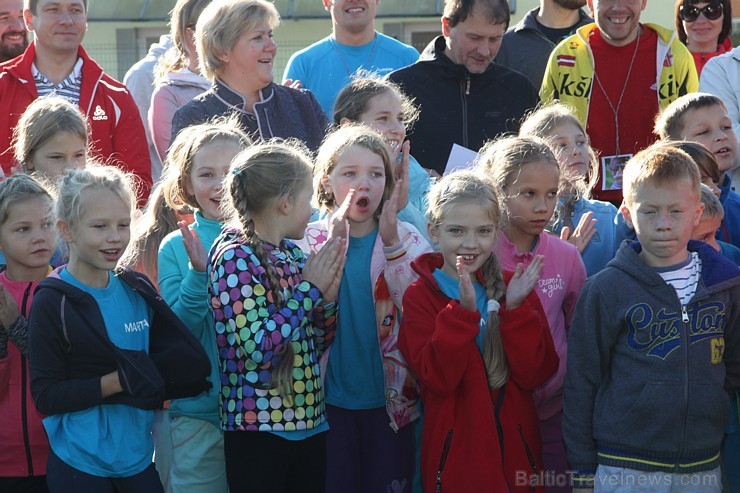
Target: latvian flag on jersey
(566,61)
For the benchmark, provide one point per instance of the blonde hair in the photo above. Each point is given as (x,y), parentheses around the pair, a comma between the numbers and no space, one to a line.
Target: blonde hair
(18,188)
(73,190)
(332,148)
(259,177)
(712,205)
(222,23)
(468,187)
(543,121)
(182,18)
(659,164)
(179,161)
(41,121)
(503,159)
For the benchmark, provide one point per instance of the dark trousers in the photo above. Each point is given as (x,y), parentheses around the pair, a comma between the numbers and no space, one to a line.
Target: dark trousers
(365,455)
(63,478)
(259,461)
(30,484)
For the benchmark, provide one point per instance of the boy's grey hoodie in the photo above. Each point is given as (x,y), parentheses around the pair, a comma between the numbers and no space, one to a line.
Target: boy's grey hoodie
(647,378)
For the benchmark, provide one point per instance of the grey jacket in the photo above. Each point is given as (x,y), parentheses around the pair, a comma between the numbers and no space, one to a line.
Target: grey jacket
(283,112)
(526,49)
(647,377)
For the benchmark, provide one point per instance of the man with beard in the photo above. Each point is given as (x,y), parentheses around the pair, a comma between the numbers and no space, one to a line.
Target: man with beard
(465,99)
(13,34)
(617,74)
(527,46)
(328,65)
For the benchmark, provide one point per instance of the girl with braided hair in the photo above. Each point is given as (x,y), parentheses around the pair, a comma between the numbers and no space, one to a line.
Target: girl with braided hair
(274,316)
(478,342)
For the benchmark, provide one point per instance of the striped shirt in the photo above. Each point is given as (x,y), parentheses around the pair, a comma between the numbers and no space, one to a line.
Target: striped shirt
(68,89)
(683,277)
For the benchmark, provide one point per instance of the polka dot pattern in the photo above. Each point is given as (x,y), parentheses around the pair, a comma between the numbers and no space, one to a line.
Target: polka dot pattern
(251,333)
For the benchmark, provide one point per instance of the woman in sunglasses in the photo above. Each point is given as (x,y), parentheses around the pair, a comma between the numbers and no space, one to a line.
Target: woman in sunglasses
(704,26)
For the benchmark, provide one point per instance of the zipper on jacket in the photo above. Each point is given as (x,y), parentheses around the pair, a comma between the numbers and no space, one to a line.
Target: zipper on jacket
(530,457)
(442,460)
(465,91)
(24,395)
(685,412)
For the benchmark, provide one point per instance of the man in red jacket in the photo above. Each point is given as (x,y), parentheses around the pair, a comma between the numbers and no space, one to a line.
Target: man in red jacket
(56,63)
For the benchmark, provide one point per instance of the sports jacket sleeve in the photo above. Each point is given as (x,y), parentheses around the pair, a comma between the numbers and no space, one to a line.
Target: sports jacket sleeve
(591,336)
(717,78)
(549,81)
(53,392)
(186,294)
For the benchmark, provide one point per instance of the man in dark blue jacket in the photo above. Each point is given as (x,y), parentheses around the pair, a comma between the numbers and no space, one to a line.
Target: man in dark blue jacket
(465,99)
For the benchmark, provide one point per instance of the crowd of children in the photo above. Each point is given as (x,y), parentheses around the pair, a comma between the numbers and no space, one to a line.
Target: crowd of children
(274,321)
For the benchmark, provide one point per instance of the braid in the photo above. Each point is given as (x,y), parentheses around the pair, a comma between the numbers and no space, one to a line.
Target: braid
(494,356)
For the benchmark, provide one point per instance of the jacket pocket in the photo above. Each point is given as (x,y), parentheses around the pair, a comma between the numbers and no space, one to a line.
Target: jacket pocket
(707,416)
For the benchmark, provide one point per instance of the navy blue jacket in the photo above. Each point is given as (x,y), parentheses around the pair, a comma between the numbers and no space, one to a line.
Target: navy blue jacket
(69,350)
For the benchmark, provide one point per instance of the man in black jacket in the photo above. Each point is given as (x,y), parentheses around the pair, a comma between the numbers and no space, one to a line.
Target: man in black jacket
(464,97)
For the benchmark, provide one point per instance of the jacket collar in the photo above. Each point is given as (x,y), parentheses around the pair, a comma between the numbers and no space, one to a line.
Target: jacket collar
(21,66)
(236,101)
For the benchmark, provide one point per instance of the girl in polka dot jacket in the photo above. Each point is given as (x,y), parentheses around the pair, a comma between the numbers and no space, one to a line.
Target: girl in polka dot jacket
(274,316)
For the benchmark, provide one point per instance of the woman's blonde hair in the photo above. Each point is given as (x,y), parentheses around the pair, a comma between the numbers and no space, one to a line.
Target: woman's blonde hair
(331,150)
(463,188)
(220,26)
(182,19)
(261,175)
(42,120)
(543,121)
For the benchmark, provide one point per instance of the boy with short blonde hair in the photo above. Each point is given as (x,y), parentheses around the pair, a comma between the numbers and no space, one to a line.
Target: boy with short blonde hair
(650,352)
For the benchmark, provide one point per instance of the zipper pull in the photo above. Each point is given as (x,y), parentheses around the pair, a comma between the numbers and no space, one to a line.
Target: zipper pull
(467,85)
(684,314)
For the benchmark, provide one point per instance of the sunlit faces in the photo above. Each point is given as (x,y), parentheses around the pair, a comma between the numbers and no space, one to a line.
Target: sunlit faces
(618,20)
(571,148)
(250,62)
(28,239)
(61,153)
(13,34)
(467,232)
(385,114)
(473,42)
(703,33)
(353,16)
(58,25)
(298,211)
(360,169)
(664,218)
(530,201)
(706,231)
(98,240)
(711,127)
(207,174)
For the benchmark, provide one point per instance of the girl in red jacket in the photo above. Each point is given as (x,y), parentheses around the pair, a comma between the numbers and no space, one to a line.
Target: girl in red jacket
(27,239)
(478,342)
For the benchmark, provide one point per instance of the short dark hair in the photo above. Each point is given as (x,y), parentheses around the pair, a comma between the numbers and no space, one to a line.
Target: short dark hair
(726,20)
(495,11)
(32,4)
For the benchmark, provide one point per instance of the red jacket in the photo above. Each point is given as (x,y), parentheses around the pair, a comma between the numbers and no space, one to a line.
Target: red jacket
(494,434)
(116,131)
(24,446)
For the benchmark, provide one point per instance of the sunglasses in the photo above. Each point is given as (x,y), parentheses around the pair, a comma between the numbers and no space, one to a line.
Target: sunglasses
(712,11)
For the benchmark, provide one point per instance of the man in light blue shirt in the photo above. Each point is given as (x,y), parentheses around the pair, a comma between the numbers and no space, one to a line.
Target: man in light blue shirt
(327,66)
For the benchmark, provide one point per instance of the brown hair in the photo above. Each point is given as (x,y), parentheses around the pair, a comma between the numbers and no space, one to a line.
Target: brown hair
(259,176)
(468,187)
(541,123)
(331,149)
(495,11)
(502,159)
(659,164)
(726,19)
(669,123)
(702,156)
(353,100)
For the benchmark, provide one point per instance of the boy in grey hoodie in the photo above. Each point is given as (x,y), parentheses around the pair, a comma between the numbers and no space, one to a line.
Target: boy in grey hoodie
(654,344)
